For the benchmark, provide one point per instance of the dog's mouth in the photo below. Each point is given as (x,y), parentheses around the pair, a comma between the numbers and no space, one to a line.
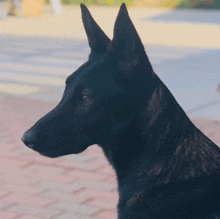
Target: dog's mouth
(51,155)
(58,145)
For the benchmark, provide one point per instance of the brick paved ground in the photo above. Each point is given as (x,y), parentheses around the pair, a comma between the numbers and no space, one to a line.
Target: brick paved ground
(76,186)
(33,186)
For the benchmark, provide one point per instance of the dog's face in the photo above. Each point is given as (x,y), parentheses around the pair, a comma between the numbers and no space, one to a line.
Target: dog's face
(100,98)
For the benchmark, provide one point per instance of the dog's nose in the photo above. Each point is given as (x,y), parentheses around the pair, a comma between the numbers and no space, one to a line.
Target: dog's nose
(28,138)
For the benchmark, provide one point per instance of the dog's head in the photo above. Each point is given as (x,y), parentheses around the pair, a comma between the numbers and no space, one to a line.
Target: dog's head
(101,98)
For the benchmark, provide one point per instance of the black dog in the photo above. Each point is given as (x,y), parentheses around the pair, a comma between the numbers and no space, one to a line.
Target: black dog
(166,168)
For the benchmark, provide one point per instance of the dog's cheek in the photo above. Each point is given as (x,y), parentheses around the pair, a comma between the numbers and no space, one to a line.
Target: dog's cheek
(80,144)
(85,125)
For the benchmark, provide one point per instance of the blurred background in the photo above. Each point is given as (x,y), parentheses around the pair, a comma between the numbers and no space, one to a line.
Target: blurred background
(31,7)
(41,43)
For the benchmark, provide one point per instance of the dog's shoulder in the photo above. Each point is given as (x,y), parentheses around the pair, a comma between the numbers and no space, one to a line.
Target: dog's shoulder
(181,199)
(177,186)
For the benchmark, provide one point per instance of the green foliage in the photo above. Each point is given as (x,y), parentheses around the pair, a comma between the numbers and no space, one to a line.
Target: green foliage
(101,2)
(183,4)
(167,3)
(77,2)
(114,2)
(74,2)
(215,4)
(211,4)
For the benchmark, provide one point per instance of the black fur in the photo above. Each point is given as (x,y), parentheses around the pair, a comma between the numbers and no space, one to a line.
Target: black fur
(166,168)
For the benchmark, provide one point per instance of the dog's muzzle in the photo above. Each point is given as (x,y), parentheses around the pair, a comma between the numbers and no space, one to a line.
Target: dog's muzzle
(29,139)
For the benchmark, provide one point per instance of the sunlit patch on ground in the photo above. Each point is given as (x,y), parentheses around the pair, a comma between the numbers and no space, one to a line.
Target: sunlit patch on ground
(18,89)
(33,79)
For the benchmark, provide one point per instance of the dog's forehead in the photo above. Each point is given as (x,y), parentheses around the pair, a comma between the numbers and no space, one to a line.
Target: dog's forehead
(98,76)
(88,73)
(76,75)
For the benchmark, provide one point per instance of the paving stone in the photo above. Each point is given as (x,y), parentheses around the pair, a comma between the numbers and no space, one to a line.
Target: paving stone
(95,185)
(25,199)
(4,140)
(26,209)
(5,205)
(107,214)
(60,187)
(77,158)
(2,98)
(47,170)
(111,179)
(94,150)
(4,192)
(31,68)
(22,189)
(53,178)
(25,150)
(30,155)
(85,175)
(8,215)
(50,61)
(103,202)
(91,194)
(79,165)
(106,170)
(28,217)
(76,186)
(65,197)
(7,164)
(72,216)
(18,178)
(75,208)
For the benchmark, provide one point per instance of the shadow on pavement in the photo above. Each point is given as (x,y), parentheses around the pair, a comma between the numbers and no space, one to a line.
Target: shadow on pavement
(183,15)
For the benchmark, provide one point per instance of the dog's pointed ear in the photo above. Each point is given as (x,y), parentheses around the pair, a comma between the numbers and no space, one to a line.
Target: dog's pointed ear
(98,41)
(126,44)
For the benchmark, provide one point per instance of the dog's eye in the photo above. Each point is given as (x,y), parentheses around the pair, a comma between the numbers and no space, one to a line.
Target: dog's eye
(85,97)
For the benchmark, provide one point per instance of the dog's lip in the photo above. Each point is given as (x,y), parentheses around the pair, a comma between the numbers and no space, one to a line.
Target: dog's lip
(48,154)
(53,154)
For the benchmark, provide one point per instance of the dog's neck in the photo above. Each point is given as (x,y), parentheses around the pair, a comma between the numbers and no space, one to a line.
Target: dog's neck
(123,152)
(166,134)
(148,133)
